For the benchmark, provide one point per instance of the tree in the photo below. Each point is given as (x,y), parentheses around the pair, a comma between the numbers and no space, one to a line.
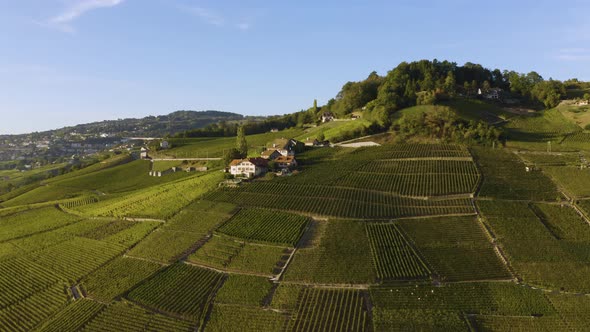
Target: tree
(321,136)
(466,87)
(587,96)
(242,144)
(450,84)
(486,86)
(230,155)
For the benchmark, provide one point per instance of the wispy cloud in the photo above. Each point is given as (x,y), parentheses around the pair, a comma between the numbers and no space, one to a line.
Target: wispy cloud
(574,54)
(243,26)
(220,19)
(208,16)
(77,8)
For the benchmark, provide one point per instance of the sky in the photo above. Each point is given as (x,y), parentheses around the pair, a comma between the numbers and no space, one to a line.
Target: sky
(64,62)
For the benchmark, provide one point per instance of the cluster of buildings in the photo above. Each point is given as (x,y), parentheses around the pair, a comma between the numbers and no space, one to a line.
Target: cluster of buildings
(281,153)
(53,146)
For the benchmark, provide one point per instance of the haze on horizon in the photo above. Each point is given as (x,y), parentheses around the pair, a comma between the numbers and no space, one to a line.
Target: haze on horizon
(65,62)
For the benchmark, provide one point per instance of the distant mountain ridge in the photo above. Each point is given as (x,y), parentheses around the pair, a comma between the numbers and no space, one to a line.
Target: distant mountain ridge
(157,126)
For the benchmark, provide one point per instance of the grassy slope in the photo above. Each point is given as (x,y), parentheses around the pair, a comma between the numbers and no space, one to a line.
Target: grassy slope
(126,177)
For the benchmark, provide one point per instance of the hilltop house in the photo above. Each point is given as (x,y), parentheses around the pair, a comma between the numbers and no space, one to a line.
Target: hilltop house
(286,162)
(494,93)
(270,154)
(250,167)
(285,147)
(327,117)
(316,143)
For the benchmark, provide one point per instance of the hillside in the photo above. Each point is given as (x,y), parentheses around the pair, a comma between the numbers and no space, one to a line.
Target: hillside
(468,214)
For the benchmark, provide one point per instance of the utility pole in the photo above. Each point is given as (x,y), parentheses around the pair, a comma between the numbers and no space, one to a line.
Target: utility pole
(549,146)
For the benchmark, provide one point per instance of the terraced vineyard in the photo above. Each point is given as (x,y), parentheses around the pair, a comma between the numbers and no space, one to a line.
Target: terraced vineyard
(117,277)
(180,290)
(415,177)
(74,317)
(156,202)
(330,310)
(239,318)
(393,256)
(226,253)
(505,177)
(265,226)
(338,202)
(123,317)
(402,237)
(456,248)
(77,257)
(29,312)
(540,249)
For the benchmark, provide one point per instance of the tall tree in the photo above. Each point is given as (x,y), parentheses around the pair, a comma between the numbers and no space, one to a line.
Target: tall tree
(242,144)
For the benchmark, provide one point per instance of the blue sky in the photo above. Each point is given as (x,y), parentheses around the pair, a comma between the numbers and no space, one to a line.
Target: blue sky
(64,62)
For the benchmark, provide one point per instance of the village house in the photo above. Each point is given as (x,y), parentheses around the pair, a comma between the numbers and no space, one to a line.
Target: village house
(327,117)
(494,93)
(582,102)
(164,145)
(285,147)
(286,162)
(274,130)
(143,153)
(270,154)
(316,143)
(250,167)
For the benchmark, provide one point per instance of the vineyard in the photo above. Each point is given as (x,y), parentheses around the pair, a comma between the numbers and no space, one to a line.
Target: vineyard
(534,249)
(126,317)
(265,226)
(455,248)
(20,277)
(73,317)
(554,159)
(78,257)
(117,277)
(164,246)
(33,221)
(33,310)
(226,318)
(226,253)
(505,177)
(576,181)
(393,256)
(48,239)
(338,202)
(243,290)
(402,237)
(156,202)
(415,177)
(330,310)
(500,298)
(181,290)
(342,257)
(72,203)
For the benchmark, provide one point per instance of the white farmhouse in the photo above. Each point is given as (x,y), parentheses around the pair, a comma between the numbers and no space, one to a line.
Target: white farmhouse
(250,168)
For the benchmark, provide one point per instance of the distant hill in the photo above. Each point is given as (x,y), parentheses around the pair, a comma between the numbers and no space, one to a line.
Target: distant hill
(155,126)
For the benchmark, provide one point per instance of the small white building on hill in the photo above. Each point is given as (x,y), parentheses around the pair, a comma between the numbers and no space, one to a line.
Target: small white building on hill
(250,167)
